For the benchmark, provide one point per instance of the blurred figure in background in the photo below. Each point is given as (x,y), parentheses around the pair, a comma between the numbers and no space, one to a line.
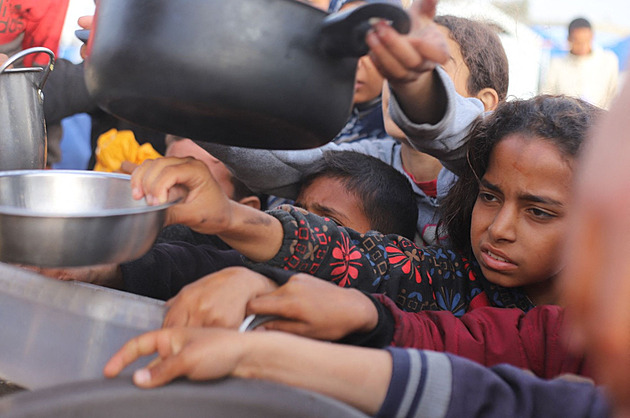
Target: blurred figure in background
(587,72)
(29,23)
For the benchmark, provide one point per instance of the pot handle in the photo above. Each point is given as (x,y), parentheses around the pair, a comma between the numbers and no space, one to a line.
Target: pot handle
(47,69)
(343,33)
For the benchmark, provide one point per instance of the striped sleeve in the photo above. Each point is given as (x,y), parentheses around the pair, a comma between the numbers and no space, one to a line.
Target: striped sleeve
(420,386)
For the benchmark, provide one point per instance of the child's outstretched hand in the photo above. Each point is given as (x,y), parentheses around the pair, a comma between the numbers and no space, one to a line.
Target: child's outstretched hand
(206,208)
(196,353)
(218,299)
(314,308)
(408,61)
(403,58)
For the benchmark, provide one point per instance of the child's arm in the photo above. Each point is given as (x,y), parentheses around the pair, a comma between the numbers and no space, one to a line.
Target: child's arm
(423,103)
(356,376)
(313,308)
(373,262)
(382,383)
(532,340)
(279,172)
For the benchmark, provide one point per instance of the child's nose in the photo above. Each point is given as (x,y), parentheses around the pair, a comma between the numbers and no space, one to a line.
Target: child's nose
(503,226)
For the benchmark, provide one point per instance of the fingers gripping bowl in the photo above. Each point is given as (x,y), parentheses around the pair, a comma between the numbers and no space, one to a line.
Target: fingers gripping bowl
(68,218)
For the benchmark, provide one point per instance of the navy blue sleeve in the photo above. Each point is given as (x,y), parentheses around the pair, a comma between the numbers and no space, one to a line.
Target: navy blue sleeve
(168,267)
(431,384)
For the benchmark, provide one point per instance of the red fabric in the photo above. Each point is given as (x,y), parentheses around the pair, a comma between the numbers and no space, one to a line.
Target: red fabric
(479,301)
(41,21)
(428,187)
(490,336)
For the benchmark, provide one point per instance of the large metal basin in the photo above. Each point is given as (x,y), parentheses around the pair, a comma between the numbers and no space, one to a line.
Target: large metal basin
(229,398)
(55,332)
(68,218)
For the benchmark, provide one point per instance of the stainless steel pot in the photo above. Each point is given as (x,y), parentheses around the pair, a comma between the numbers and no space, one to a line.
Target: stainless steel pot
(22,125)
(69,218)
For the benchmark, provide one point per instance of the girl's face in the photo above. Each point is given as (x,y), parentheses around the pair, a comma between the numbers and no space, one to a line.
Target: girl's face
(519,218)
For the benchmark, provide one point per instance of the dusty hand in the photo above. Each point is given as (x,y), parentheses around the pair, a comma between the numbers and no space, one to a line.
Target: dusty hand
(108,275)
(205,209)
(218,299)
(403,58)
(196,353)
(317,309)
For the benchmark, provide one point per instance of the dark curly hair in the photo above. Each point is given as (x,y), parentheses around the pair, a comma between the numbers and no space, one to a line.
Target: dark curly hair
(482,51)
(561,120)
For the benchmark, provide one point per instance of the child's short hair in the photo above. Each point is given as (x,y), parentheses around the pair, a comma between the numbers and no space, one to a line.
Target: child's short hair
(561,120)
(387,196)
(482,51)
(579,23)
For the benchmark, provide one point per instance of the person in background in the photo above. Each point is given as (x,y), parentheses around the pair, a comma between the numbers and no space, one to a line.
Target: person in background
(31,23)
(587,72)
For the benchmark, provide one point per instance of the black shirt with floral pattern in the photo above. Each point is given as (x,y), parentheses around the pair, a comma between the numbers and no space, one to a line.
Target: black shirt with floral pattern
(428,278)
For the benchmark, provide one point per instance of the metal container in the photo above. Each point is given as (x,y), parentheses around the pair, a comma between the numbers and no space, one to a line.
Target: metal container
(22,125)
(69,218)
(234,398)
(55,332)
(273,74)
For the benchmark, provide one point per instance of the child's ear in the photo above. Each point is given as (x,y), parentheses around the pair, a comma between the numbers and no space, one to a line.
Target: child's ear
(489,97)
(252,201)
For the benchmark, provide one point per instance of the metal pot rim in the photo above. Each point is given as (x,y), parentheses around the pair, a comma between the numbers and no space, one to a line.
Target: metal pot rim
(101,213)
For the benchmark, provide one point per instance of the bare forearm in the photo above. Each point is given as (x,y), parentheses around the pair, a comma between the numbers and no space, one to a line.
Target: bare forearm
(356,376)
(255,234)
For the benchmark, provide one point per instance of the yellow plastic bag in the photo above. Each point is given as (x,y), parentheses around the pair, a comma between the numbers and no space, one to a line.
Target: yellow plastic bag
(113,147)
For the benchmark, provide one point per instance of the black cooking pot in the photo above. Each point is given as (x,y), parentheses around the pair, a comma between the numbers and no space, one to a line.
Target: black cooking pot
(255,73)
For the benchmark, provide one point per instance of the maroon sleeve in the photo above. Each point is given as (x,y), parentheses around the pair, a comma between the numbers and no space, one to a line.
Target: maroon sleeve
(490,336)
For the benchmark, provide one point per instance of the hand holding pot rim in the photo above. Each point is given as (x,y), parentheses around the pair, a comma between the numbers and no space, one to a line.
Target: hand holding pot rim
(402,58)
(206,208)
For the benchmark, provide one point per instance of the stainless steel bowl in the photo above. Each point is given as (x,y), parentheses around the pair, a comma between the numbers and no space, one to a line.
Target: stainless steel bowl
(68,218)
